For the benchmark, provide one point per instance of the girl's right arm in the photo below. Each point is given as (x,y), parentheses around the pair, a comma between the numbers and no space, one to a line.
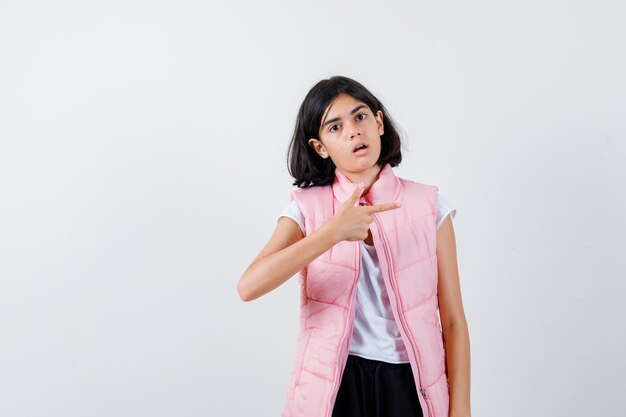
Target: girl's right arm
(286,253)
(288,250)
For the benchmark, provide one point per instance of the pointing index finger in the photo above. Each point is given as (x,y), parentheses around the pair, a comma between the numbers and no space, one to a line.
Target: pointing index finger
(383,207)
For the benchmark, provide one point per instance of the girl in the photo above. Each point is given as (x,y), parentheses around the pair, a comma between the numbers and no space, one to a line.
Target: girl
(382,327)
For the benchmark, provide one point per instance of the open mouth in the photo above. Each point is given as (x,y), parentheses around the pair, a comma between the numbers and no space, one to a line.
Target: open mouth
(359,147)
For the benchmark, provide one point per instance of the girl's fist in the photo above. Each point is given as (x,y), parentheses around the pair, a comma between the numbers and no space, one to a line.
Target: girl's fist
(352,222)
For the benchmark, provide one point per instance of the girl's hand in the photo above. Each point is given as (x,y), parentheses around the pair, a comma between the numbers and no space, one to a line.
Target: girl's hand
(353,222)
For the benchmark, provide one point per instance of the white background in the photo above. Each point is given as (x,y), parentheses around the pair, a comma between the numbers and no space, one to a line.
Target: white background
(143,166)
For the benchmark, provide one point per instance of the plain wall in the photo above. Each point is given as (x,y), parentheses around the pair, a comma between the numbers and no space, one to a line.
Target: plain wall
(143,167)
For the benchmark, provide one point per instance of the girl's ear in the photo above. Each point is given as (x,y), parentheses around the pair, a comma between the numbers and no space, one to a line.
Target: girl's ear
(379,122)
(319,147)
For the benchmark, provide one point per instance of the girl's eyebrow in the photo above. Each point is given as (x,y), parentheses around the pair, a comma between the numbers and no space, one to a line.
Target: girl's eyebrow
(354,110)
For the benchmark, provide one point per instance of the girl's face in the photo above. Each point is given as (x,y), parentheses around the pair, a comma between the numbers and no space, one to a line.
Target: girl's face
(346,124)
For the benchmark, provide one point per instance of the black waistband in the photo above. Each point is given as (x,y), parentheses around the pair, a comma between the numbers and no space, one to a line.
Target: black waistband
(373,364)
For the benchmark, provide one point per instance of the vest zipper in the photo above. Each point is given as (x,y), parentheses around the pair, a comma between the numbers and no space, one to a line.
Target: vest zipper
(392,280)
(347,338)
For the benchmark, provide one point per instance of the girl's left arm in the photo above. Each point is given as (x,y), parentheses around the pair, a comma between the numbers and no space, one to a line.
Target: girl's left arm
(453,323)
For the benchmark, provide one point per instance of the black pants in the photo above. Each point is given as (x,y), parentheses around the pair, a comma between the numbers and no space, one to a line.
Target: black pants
(371,388)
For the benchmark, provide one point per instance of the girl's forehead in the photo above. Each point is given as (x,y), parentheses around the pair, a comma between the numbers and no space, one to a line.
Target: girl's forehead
(341,106)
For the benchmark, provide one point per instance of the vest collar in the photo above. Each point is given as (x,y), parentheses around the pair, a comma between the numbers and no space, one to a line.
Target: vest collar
(386,189)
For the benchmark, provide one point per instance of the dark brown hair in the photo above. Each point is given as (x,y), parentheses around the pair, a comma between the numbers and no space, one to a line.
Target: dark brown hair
(304,164)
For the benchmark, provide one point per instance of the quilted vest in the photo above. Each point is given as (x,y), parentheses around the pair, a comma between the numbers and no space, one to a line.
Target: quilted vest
(405,241)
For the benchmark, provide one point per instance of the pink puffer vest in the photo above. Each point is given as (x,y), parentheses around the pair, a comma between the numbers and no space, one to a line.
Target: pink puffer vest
(405,241)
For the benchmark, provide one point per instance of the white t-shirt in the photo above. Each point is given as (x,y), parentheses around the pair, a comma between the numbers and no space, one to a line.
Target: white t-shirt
(376,334)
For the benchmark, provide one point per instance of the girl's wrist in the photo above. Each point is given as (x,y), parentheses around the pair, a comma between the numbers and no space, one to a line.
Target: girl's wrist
(332,232)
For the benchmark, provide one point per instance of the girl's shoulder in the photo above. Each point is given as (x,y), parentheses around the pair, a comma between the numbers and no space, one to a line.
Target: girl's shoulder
(293,212)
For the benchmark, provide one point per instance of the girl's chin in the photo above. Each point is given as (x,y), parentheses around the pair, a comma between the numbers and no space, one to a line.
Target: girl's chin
(363,164)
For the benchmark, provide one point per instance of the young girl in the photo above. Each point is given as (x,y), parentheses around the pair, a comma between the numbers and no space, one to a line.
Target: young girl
(382,327)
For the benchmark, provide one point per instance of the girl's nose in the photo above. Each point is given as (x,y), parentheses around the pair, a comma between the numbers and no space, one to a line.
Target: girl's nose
(354,131)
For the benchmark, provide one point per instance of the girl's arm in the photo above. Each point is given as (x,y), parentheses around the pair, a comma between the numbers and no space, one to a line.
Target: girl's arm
(453,323)
(286,253)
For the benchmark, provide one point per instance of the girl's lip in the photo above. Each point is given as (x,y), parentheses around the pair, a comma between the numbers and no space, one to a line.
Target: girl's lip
(361,151)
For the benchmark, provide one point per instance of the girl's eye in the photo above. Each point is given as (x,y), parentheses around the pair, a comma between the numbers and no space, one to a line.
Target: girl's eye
(360,114)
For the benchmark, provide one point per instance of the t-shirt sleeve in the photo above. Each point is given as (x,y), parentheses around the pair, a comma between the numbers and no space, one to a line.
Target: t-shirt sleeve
(293,211)
(443,209)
